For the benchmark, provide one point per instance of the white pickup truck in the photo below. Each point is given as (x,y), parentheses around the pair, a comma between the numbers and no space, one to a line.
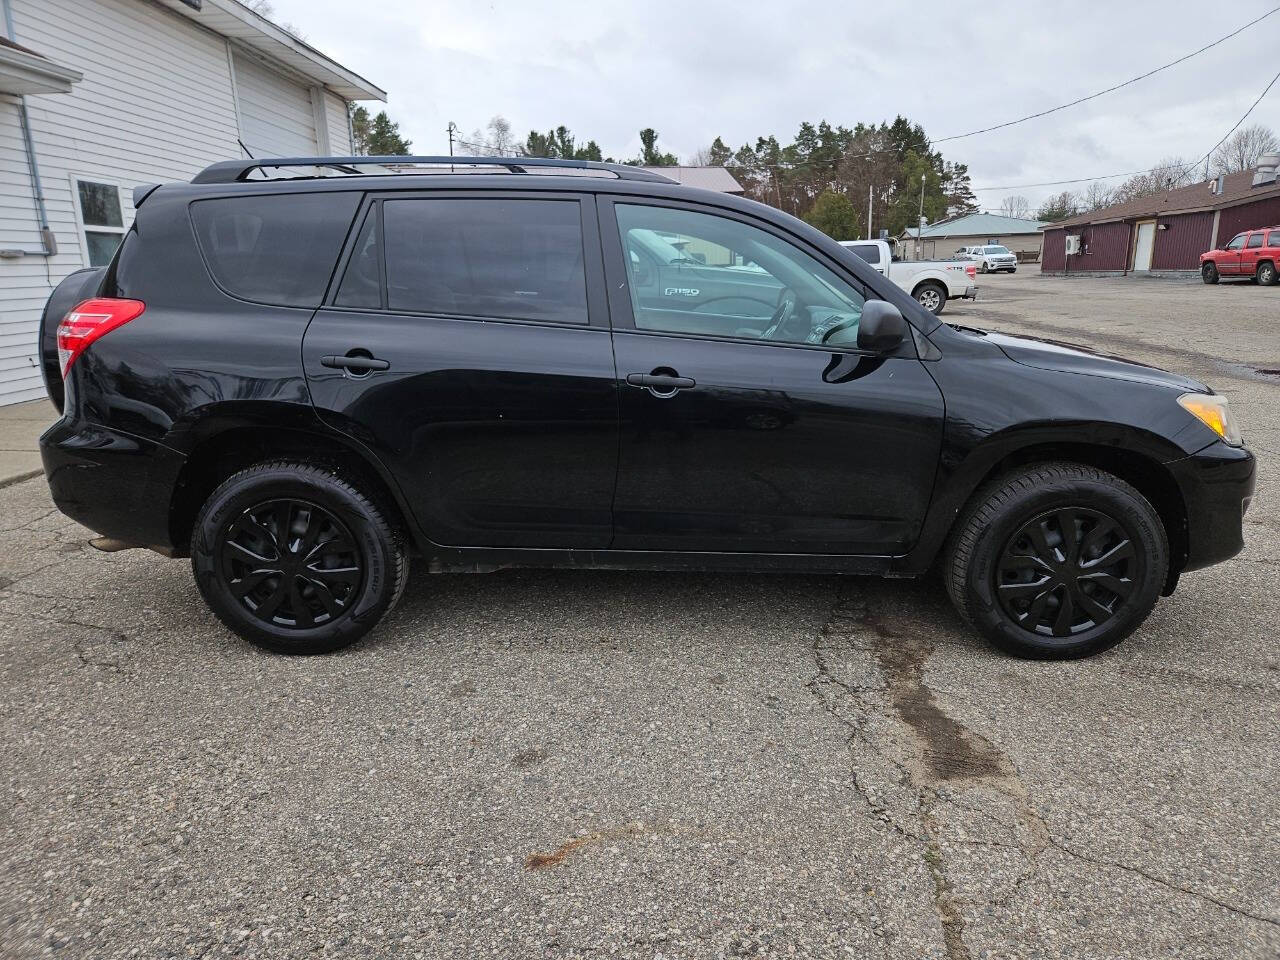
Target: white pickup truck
(931,282)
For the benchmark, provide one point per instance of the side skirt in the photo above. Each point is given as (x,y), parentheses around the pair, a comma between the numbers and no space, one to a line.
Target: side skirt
(488,560)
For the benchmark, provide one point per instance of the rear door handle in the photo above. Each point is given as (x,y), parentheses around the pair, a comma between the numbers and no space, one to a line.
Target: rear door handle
(358,363)
(660,382)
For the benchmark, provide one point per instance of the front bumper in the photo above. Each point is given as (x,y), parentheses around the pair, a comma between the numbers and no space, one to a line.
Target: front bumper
(1217,488)
(114,483)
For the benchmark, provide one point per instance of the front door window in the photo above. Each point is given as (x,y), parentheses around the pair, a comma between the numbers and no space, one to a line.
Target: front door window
(703,275)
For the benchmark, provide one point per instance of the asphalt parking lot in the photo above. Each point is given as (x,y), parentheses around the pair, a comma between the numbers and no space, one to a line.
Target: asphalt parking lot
(576,764)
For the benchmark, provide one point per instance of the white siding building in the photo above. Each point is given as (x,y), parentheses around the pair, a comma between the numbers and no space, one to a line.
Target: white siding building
(119,93)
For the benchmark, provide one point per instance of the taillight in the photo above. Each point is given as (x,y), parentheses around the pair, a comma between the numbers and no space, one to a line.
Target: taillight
(89,321)
(972,270)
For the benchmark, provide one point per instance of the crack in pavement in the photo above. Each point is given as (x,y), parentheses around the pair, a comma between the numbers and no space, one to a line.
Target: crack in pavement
(946,752)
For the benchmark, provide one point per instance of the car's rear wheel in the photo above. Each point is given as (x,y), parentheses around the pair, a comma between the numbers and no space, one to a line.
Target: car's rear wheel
(1267,273)
(296,559)
(932,296)
(1057,561)
(1209,273)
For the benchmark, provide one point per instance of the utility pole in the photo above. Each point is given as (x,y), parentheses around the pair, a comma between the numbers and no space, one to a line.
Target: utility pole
(869,189)
(450,130)
(920,220)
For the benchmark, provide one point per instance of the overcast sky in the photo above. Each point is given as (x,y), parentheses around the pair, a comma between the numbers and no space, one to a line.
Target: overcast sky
(745,69)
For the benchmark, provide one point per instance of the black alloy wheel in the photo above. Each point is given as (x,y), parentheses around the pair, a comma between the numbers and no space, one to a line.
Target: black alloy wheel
(1067,571)
(1056,560)
(298,557)
(291,564)
(1209,272)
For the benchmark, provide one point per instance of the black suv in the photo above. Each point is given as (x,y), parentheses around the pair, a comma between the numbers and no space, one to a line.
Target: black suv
(304,372)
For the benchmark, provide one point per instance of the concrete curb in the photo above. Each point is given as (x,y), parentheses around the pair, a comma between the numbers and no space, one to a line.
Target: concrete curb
(19,478)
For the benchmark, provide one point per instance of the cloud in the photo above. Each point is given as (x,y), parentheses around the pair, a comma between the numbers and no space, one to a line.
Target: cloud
(749,69)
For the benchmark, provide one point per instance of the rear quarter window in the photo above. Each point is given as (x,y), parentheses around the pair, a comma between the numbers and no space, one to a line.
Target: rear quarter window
(277,249)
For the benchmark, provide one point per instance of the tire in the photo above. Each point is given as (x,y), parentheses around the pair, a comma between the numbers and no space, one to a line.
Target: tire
(932,296)
(1209,272)
(314,602)
(1267,273)
(1013,269)
(982,267)
(988,550)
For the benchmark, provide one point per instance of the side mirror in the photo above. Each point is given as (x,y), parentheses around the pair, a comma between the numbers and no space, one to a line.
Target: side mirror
(881,328)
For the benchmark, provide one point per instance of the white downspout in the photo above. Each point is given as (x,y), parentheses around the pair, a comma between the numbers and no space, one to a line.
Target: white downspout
(49,244)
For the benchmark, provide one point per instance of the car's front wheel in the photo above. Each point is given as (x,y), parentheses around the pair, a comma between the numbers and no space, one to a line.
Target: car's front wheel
(1209,272)
(1057,561)
(932,296)
(296,559)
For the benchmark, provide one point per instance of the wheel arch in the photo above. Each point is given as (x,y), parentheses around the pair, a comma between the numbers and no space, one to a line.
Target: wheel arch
(1145,474)
(1132,462)
(236,446)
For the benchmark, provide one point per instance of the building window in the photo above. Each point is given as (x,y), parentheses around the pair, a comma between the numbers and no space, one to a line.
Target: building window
(101,219)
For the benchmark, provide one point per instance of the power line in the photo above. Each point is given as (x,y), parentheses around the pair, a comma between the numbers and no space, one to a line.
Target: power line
(1134,173)
(1118,86)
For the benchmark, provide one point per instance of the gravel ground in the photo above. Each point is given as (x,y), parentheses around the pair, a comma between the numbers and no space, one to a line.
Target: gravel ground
(579,764)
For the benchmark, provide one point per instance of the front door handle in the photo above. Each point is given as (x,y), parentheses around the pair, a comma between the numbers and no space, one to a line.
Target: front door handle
(660,382)
(357,362)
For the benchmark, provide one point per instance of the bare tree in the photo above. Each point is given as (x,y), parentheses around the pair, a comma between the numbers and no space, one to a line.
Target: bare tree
(1243,149)
(1015,206)
(1097,196)
(500,140)
(700,157)
(1169,174)
(265,9)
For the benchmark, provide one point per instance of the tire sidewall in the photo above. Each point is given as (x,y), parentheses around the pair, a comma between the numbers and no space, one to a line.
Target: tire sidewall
(1267,274)
(369,532)
(1131,511)
(939,292)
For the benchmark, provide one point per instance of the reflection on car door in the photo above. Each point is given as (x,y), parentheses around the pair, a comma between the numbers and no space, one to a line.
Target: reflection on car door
(1250,253)
(1229,263)
(737,441)
(497,411)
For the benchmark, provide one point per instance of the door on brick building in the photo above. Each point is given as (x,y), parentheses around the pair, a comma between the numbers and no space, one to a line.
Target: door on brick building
(1144,245)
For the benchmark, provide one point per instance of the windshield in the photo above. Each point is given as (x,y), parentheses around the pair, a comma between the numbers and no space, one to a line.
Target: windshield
(997,249)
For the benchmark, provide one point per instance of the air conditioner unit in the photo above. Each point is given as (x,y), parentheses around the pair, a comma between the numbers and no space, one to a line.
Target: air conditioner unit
(1073,244)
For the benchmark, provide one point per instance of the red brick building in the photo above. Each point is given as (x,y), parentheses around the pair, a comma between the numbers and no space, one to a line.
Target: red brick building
(1165,232)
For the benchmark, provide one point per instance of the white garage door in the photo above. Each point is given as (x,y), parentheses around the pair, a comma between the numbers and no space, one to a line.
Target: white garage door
(275,113)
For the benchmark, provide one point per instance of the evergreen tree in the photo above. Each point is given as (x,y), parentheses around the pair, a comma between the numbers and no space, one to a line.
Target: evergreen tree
(833,214)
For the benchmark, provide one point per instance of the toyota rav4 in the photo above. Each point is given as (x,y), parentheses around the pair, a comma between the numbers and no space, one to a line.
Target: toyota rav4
(305,374)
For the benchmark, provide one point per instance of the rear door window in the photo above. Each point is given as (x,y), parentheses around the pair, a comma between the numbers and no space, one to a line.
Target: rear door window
(495,257)
(867,251)
(1255,240)
(277,249)
(1274,239)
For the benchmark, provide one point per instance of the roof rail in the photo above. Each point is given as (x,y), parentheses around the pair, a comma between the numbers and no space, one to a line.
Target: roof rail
(232,171)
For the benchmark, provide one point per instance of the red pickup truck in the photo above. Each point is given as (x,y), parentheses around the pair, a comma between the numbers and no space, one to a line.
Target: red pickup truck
(1254,254)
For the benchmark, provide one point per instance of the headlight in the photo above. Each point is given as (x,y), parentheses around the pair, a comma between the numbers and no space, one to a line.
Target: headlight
(1215,413)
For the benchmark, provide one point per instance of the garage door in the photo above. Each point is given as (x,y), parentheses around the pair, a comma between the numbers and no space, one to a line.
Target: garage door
(276,118)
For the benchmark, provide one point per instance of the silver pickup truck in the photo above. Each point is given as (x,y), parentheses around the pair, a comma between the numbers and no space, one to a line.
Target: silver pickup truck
(931,282)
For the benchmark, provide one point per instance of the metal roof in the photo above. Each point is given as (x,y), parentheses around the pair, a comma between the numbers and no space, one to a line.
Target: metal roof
(1237,188)
(234,20)
(979,225)
(708,178)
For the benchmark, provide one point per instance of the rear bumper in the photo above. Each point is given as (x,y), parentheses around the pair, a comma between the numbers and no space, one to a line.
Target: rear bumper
(116,484)
(1217,488)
